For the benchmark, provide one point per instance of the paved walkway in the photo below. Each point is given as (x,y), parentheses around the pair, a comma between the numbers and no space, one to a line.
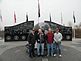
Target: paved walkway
(16,51)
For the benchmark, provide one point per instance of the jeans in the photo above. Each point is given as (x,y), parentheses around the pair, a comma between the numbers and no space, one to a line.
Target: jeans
(50,49)
(40,48)
(31,50)
(57,48)
(54,47)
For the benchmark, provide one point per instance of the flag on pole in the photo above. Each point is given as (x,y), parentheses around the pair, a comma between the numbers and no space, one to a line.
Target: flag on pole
(14,17)
(61,18)
(74,24)
(0,16)
(50,18)
(74,17)
(38,9)
(26,17)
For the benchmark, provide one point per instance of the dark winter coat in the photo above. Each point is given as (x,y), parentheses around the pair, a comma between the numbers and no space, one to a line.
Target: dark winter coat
(41,38)
(31,38)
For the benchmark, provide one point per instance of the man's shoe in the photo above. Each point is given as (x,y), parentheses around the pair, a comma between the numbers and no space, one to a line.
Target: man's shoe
(47,55)
(54,55)
(42,55)
(33,55)
(30,56)
(60,55)
(38,55)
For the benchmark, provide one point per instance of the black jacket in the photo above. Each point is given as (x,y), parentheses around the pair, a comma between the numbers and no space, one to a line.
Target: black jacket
(31,38)
(41,39)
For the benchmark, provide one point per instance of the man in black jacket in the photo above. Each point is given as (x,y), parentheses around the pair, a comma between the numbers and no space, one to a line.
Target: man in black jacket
(31,40)
(40,42)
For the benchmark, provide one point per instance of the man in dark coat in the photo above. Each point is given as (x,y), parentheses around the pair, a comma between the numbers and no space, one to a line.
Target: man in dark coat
(31,40)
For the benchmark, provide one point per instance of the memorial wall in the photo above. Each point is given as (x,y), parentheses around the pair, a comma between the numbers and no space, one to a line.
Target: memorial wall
(18,32)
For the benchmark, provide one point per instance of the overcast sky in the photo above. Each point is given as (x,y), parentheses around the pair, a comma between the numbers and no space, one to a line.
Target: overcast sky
(55,7)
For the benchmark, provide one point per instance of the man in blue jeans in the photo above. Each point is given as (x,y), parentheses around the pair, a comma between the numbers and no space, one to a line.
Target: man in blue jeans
(57,39)
(50,40)
(40,42)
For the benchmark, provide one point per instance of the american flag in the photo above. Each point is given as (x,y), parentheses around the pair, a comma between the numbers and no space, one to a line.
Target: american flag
(14,17)
(0,16)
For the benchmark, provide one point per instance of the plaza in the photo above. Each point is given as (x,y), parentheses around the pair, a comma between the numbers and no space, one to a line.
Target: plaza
(16,51)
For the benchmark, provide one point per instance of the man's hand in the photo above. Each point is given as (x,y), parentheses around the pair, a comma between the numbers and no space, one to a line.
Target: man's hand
(27,42)
(58,42)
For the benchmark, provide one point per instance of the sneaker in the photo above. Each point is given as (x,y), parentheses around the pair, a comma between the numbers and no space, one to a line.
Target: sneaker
(33,55)
(42,55)
(47,55)
(30,56)
(38,55)
(54,55)
(60,55)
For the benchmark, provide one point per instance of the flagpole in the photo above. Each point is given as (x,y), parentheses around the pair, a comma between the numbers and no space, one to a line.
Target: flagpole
(38,21)
(14,17)
(38,12)
(26,16)
(74,23)
(61,19)
(50,19)
(0,20)
(74,30)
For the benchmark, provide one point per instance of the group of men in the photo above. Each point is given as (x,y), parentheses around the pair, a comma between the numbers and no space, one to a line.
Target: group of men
(52,40)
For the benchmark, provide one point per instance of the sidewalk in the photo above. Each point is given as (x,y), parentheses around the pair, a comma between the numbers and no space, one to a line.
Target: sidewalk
(16,51)
(76,39)
(7,45)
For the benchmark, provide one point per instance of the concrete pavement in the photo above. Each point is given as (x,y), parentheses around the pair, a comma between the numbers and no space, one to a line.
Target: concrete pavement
(16,51)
